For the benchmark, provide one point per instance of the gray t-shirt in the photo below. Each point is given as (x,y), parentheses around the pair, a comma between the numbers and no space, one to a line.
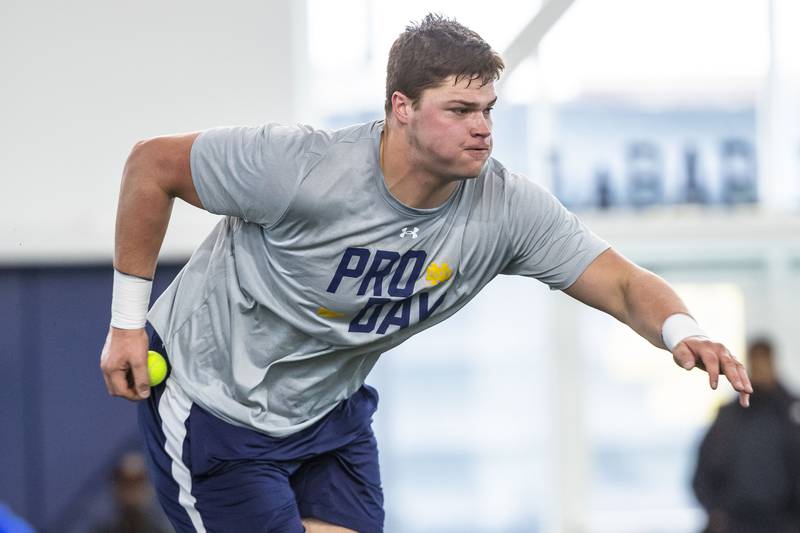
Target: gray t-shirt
(317,269)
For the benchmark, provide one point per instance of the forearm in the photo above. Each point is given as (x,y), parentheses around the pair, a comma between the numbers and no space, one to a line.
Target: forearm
(143,214)
(644,301)
(647,302)
(629,293)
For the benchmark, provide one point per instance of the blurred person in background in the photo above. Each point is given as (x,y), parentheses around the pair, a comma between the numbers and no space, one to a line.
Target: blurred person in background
(136,508)
(748,470)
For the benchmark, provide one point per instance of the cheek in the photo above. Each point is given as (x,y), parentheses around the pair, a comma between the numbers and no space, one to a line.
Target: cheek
(440,138)
(445,137)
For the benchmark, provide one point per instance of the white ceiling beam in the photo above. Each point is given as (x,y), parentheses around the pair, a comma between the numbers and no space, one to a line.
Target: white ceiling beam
(527,42)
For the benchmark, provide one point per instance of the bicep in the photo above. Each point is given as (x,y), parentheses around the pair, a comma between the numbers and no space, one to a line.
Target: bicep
(166,160)
(602,285)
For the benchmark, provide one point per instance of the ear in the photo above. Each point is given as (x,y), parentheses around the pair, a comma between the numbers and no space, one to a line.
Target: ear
(402,107)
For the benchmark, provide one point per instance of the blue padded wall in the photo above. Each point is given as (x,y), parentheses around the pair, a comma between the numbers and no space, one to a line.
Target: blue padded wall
(59,429)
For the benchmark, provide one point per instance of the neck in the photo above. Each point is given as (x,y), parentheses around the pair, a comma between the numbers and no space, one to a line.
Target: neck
(406,177)
(765,386)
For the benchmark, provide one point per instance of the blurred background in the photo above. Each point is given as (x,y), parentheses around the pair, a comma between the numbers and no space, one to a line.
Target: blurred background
(671,126)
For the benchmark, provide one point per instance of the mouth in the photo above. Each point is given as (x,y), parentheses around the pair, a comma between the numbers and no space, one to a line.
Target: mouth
(478,152)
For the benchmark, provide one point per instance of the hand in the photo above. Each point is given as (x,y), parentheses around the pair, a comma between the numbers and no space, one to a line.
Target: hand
(714,358)
(124,363)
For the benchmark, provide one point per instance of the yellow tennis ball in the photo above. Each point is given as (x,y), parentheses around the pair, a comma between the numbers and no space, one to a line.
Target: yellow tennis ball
(156,367)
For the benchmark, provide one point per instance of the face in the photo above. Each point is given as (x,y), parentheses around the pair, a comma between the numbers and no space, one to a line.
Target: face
(762,371)
(450,128)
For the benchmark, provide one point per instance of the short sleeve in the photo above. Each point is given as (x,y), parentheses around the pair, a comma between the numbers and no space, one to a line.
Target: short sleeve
(547,241)
(250,172)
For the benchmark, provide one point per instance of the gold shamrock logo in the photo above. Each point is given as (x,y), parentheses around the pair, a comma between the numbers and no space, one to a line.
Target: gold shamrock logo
(438,273)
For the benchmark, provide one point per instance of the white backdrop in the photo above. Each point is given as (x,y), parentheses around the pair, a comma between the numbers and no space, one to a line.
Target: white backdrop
(83,81)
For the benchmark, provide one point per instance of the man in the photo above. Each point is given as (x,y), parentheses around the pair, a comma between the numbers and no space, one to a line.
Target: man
(748,469)
(134,509)
(337,246)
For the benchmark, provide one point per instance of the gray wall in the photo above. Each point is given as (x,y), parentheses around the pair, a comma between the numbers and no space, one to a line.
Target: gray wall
(83,81)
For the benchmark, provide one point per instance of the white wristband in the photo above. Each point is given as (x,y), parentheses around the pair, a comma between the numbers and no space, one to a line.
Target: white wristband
(678,327)
(129,302)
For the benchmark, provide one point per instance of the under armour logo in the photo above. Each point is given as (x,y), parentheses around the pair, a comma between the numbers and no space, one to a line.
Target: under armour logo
(412,232)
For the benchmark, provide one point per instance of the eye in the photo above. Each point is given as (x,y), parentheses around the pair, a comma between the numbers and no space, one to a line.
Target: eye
(488,111)
(460,110)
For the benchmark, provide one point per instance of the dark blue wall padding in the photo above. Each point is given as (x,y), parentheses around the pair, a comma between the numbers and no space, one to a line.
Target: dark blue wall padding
(59,429)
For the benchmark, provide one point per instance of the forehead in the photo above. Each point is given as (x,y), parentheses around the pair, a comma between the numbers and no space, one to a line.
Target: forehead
(463,90)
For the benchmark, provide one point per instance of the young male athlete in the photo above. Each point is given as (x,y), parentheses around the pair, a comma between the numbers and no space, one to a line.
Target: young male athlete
(335,247)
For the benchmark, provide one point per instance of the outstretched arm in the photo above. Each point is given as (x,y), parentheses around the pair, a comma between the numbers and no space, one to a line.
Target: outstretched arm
(156,172)
(644,301)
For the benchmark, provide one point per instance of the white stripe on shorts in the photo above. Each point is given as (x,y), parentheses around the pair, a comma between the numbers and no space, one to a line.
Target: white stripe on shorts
(174,409)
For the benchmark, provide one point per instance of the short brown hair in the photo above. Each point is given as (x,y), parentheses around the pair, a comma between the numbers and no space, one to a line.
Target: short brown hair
(760,346)
(427,53)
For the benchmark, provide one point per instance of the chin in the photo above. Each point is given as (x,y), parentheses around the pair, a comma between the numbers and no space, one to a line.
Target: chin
(459,170)
(464,172)
(474,170)
(470,175)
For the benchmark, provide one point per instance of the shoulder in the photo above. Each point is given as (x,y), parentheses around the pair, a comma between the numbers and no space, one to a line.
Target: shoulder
(517,193)
(310,137)
(496,176)
(493,182)
(366,131)
(507,197)
(358,137)
(356,134)
(785,394)
(730,412)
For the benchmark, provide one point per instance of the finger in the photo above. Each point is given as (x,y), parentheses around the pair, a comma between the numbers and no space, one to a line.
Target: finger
(712,366)
(730,367)
(103,363)
(744,395)
(748,387)
(683,357)
(106,381)
(744,399)
(141,379)
(119,384)
(106,378)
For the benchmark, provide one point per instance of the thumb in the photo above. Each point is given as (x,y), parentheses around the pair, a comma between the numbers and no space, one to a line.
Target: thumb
(683,356)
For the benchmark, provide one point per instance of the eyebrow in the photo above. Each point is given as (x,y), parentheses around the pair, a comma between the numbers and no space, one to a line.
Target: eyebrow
(471,105)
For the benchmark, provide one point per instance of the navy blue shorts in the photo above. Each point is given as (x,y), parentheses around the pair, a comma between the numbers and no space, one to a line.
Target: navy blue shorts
(214,476)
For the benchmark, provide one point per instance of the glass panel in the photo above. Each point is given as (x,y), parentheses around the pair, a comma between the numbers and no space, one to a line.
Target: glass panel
(645,416)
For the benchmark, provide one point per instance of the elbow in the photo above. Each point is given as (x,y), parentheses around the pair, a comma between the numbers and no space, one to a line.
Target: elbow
(145,164)
(139,145)
(144,154)
(140,157)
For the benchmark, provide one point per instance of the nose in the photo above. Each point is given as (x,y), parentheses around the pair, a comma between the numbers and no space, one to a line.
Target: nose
(481,126)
